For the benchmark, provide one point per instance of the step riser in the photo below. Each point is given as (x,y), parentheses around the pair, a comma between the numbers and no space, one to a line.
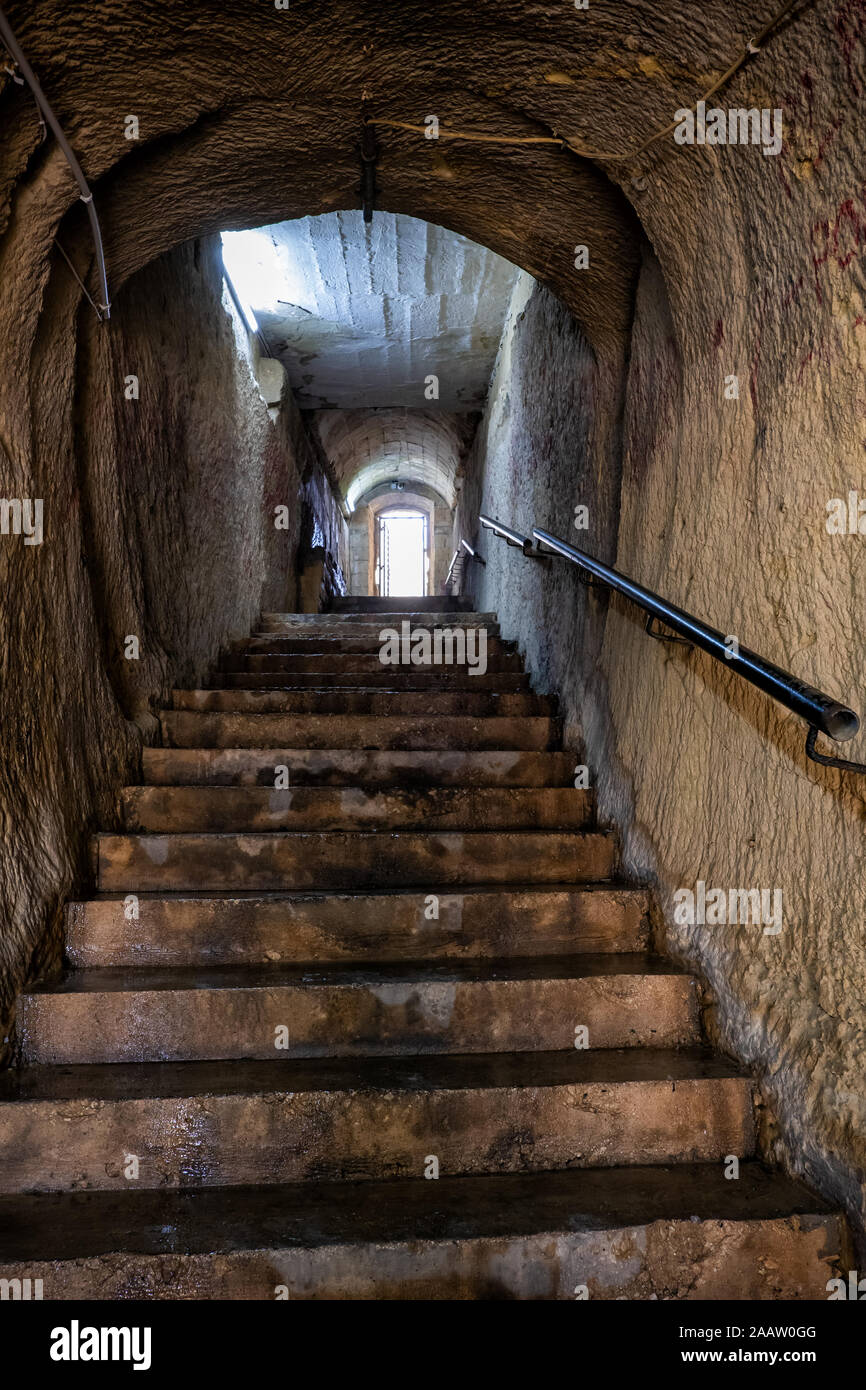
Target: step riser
(237,809)
(280,1137)
(667,1260)
(189,729)
(382,1020)
(334,860)
(412,603)
(358,767)
(338,624)
(445,679)
(476,704)
(238,931)
(368,644)
(369,664)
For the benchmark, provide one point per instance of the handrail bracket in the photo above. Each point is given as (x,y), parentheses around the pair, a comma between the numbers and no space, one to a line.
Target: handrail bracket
(844,763)
(664,636)
(822,713)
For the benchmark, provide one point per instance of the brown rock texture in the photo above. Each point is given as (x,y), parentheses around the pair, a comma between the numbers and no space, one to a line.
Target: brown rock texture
(158,526)
(756,270)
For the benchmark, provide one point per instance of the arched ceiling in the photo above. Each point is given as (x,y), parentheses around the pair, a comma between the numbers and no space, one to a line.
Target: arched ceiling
(363,313)
(367,448)
(249,115)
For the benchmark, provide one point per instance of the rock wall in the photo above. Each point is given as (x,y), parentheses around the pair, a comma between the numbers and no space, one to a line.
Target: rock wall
(721,506)
(159,472)
(548,444)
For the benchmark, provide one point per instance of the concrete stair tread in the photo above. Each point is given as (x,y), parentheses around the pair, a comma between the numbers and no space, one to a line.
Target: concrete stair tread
(205,697)
(349,859)
(282,680)
(246,1122)
(359,663)
(442,605)
(611,885)
(356,700)
(232,926)
(421,603)
(385,617)
(140,980)
(452,722)
(81,1225)
(366,642)
(423,794)
(165,809)
(357,766)
(454,679)
(235,925)
(372,614)
(390,1009)
(209,729)
(369,835)
(56,1083)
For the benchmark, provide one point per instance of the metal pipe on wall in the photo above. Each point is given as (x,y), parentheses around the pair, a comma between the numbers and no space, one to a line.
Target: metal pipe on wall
(86,196)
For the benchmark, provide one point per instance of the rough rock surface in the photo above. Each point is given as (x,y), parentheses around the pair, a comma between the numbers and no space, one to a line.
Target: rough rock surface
(158,526)
(721,506)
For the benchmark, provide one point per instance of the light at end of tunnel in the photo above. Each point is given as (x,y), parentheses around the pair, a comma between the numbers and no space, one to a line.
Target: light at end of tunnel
(257,272)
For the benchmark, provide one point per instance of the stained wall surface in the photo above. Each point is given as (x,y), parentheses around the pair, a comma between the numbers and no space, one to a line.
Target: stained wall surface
(722,508)
(160,473)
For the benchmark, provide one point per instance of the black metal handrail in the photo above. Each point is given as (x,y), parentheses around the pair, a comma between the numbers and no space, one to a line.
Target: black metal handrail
(822,712)
(473,554)
(506,533)
(446,584)
(467,550)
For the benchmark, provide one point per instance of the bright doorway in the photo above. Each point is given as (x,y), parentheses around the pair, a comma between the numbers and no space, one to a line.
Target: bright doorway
(402,555)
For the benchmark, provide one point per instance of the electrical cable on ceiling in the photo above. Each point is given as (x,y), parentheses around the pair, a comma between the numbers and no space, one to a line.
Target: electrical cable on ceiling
(104,309)
(87,295)
(572,143)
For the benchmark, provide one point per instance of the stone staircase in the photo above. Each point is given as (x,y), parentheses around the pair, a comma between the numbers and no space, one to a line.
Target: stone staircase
(287,1006)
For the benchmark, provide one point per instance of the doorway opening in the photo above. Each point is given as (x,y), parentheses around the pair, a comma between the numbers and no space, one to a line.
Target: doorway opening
(402,553)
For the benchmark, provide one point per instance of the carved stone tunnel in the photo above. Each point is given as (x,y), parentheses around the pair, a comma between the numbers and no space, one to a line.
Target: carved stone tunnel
(646,323)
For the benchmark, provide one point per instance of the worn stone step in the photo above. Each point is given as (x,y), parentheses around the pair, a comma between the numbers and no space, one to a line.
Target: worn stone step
(364,664)
(208,1124)
(178,809)
(357,767)
(355,623)
(392,679)
(385,703)
(343,927)
(431,603)
(365,645)
(200,729)
(686,1232)
(522,1004)
(349,860)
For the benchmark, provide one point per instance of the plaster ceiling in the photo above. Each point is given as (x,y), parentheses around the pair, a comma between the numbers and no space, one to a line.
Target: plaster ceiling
(367,448)
(361,313)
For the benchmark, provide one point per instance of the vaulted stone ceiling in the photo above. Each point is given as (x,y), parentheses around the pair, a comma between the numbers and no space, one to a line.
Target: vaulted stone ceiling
(363,314)
(367,448)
